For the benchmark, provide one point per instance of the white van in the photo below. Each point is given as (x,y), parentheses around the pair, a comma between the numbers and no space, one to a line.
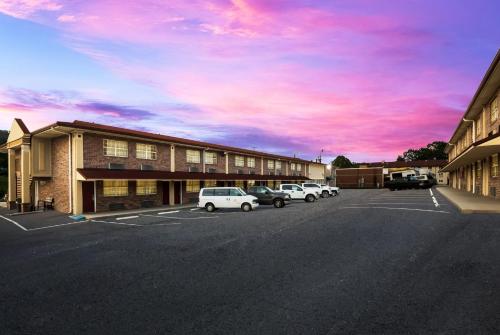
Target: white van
(212,198)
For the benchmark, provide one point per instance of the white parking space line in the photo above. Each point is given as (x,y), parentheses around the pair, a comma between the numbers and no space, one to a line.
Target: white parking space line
(194,209)
(393,208)
(128,217)
(171,212)
(433,198)
(58,225)
(179,218)
(392,203)
(14,222)
(118,223)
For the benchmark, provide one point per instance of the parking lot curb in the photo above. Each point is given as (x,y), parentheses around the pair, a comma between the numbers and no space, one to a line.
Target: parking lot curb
(464,210)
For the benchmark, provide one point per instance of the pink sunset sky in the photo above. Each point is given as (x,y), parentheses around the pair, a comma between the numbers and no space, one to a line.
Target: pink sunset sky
(367,79)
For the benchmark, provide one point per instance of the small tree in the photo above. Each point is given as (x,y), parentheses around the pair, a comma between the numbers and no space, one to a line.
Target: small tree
(342,162)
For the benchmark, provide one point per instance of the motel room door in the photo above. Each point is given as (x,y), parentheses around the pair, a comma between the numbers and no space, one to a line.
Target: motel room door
(177,192)
(88,196)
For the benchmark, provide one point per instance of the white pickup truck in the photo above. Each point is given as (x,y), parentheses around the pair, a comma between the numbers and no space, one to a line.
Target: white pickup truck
(335,190)
(297,192)
(323,190)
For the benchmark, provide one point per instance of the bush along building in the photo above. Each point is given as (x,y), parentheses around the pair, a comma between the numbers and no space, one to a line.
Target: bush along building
(88,167)
(474,146)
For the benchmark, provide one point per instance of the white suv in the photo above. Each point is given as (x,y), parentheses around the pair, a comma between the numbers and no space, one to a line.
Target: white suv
(212,198)
(297,192)
(334,189)
(324,191)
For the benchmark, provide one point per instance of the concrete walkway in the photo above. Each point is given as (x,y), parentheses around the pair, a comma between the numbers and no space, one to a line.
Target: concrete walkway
(469,203)
(136,211)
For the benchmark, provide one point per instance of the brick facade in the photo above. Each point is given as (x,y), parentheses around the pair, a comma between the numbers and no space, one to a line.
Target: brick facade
(181,163)
(131,201)
(57,187)
(93,147)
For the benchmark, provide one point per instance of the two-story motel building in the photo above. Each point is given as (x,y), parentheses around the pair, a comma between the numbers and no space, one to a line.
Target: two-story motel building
(88,167)
(474,147)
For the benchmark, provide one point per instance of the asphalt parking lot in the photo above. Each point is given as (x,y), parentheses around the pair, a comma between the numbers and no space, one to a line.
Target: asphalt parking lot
(365,262)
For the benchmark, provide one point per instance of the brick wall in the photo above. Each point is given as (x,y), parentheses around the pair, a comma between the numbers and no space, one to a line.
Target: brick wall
(180,160)
(221,163)
(93,157)
(351,178)
(246,170)
(58,186)
(131,201)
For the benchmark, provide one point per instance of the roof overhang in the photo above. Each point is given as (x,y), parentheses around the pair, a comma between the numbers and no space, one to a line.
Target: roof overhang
(101,174)
(474,153)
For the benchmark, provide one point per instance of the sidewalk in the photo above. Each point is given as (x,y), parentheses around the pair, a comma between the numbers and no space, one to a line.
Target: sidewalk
(469,203)
(136,211)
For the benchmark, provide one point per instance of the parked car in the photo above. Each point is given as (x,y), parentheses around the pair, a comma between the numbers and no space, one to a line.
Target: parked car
(323,191)
(411,182)
(266,196)
(297,192)
(335,190)
(212,198)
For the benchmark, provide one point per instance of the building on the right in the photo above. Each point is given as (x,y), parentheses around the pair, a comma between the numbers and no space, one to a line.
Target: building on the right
(474,146)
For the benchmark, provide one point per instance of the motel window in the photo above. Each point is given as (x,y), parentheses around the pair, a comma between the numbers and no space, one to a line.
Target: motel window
(145,151)
(251,162)
(292,166)
(270,164)
(146,187)
(211,158)
(239,183)
(478,127)
(494,110)
(210,183)
(192,156)
(299,167)
(239,161)
(115,188)
(193,186)
(494,165)
(250,183)
(278,165)
(115,148)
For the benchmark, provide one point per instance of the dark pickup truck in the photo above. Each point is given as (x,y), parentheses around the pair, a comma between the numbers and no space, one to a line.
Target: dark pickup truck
(266,196)
(412,182)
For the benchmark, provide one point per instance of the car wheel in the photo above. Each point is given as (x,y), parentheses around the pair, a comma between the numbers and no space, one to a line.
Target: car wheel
(210,207)
(325,194)
(310,198)
(246,207)
(278,203)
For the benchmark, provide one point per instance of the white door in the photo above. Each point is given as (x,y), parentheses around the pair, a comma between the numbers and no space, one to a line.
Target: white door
(221,198)
(297,192)
(235,198)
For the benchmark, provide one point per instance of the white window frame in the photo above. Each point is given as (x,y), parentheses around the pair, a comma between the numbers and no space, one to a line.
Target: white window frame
(299,167)
(193,156)
(239,161)
(270,164)
(293,166)
(494,110)
(146,151)
(251,162)
(210,158)
(146,187)
(111,148)
(278,165)
(193,186)
(115,188)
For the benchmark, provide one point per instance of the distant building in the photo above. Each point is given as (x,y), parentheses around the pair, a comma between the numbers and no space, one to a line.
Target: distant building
(401,169)
(363,177)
